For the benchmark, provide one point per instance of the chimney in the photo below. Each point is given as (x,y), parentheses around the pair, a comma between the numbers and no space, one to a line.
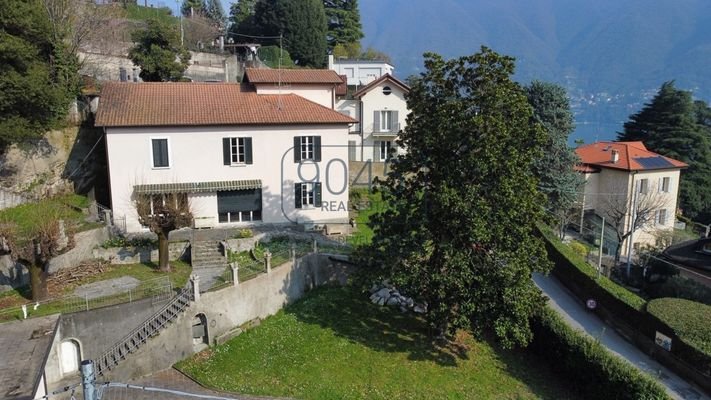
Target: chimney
(615,156)
(330,62)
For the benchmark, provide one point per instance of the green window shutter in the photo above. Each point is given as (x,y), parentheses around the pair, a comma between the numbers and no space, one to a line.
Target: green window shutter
(297,149)
(317,194)
(317,148)
(226,153)
(160,153)
(248,150)
(376,151)
(376,121)
(395,124)
(297,195)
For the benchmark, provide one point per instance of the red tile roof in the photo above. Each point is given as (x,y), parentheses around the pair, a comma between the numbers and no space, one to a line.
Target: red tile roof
(632,156)
(177,104)
(342,88)
(387,77)
(319,76)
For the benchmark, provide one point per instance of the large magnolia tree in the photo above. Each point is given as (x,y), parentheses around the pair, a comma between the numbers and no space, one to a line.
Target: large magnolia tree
(462,202)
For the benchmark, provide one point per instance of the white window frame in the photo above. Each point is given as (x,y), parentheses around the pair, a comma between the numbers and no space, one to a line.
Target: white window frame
(150,151)
(662,216)
(386,120)
(307,148)
(308,197)
(644,186)
(238,151)
(666,184)
(385,146)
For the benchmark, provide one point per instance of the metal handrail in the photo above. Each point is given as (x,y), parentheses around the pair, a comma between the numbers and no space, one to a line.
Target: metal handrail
(103,361)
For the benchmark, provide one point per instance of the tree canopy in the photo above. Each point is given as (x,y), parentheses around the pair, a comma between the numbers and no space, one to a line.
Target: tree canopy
(555,168)
(158,52)
(38,77)
(192,7)
(344,27)
(673,125)
(302,24)
(457,232)
(214,12)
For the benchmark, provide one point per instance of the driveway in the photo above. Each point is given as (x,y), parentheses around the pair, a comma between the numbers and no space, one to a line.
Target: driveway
(573,311)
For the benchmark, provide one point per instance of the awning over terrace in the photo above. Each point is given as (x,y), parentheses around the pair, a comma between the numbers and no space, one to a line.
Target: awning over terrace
(198,187)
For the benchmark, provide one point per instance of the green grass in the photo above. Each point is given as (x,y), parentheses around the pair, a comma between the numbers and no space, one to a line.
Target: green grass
(363,234)
(334,344)
(27,217)
(140,13)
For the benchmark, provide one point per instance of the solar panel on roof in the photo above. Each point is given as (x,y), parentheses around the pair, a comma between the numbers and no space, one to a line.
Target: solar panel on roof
(654,162)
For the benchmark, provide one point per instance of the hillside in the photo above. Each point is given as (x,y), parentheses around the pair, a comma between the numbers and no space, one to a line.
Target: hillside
(611,55)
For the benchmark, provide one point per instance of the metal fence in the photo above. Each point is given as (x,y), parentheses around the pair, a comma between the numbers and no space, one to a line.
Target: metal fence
(158,289)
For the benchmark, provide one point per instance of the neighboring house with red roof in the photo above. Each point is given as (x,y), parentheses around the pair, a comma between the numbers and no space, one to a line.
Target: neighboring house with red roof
(615,171)
(317,85)
(240,155)
(381,109)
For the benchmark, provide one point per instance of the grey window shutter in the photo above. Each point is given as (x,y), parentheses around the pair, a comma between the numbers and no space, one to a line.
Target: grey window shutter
(317,148)
(297,149)
(248,150)
(395,122)
(160,153)
(297,195)
(317,194)
(226,152)
(376,151)
(376,121)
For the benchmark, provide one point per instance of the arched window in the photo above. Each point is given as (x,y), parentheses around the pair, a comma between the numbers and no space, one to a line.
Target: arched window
(69,356)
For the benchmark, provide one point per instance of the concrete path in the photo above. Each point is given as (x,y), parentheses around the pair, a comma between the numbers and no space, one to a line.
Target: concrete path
(574,312)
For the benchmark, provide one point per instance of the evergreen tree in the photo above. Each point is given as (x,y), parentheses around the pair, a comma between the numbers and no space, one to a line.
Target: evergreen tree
(214,11)
(555,169)
(463,201)
(302,24)
(344,25)
(38,75)
(192,7)
(242,18)
(670,125)
(158,52)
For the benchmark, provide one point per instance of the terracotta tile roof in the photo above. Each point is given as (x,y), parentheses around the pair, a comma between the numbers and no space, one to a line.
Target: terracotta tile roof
(177,104)
(263,75)
(387,77)
(632,156)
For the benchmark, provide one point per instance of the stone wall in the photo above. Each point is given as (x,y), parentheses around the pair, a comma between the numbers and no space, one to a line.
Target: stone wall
(84,243)
(12,274)
(135,255)
(224,310)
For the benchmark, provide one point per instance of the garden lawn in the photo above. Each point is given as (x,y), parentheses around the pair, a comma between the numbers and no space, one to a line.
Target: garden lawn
(334,344)
(26,217)
(363,234)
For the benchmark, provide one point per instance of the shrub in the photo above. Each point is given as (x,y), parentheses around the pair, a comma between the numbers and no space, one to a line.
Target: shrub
(689,320)
(270,56)
(586,364)
(122,241)
(244,233)
(680,287)
(579,248)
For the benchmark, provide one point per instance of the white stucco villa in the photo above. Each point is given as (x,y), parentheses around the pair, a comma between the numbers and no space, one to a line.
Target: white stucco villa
(381,109)
(359,72)
(623,179)
(240,154)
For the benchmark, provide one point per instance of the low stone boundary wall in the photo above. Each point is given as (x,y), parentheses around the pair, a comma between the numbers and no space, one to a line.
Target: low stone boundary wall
(136,255)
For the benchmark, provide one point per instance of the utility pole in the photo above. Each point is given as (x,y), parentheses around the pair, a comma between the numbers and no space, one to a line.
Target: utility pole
(633,222)
(182,32)
(599,256)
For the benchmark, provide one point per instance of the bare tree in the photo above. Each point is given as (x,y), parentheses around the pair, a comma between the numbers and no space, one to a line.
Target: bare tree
(628,213)
(200,31)
(34,250)
(162,214)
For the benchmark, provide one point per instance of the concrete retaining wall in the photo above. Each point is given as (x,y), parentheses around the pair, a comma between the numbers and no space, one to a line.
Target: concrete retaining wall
(135,255)
(229,308)
(83,249)
(97,330)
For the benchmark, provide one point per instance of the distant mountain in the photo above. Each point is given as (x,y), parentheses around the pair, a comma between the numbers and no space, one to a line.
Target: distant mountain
(611,55)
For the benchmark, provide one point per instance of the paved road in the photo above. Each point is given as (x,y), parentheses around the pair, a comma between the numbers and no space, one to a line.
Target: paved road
(579,318)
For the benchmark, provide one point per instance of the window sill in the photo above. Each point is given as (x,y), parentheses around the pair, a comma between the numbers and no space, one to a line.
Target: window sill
(240,165)
(168,167)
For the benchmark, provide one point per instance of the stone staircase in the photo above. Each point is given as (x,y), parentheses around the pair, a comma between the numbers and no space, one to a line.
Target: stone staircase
(208,262)
(149,328)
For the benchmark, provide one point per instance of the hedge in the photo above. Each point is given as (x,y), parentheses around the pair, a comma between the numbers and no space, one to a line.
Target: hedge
(576,270)
(688,323)
(586,364)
